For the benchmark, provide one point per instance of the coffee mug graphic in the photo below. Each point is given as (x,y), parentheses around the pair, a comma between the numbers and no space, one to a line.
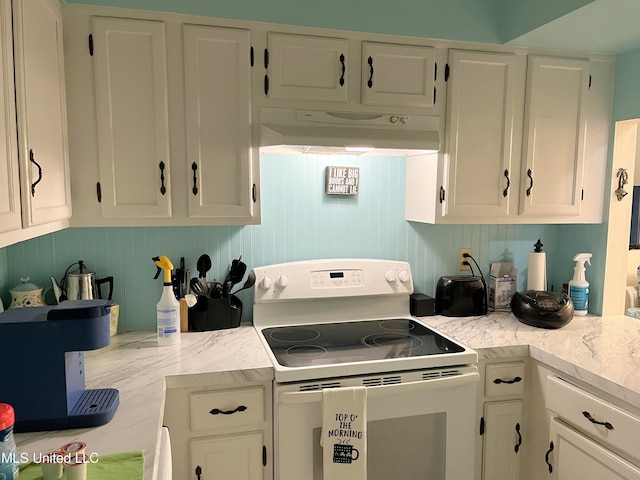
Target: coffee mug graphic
(344,453)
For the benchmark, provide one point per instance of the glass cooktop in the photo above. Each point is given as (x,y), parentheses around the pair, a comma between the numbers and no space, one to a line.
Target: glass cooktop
(360,341)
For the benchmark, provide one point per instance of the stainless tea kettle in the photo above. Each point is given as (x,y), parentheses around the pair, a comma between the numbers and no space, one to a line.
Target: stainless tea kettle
(81,284)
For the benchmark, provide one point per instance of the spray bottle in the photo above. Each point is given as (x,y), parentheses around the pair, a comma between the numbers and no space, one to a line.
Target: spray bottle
(578,286)
(168,308)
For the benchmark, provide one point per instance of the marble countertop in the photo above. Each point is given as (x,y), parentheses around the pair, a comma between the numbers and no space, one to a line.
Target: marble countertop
(603,352)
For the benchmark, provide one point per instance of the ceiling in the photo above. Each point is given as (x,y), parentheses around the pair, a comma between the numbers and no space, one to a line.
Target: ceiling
(608,26)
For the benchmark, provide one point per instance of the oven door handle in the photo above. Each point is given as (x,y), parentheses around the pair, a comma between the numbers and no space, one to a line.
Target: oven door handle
(382,390)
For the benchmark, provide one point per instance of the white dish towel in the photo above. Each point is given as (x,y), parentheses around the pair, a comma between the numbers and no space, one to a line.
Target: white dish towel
(344,433)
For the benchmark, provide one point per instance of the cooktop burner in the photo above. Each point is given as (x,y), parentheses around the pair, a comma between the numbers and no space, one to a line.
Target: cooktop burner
(359,341)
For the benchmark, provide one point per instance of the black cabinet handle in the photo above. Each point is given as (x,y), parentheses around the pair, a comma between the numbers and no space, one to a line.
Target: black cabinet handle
(546,457)
(194,167)
(506,190)
(442,194)
(530,182)
(370,62)
(198,472)
(517,446)
(588,416)
(33,185)
(217,411)
(163,189)
(343,69)
(498,381)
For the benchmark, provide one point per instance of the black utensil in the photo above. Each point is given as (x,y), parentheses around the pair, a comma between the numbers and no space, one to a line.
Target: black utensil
(250,282)
(203,265)
(197,288)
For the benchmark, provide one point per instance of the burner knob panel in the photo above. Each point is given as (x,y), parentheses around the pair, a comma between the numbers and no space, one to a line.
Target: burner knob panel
(265,283)
(282,281)
(404,276)
(390,276)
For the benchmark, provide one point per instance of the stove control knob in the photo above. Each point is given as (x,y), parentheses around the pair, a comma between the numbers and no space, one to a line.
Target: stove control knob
(390,276)
(265,283)
(282,281)
(404,276)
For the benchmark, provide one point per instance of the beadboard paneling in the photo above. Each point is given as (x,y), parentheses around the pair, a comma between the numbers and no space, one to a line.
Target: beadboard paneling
(299,222)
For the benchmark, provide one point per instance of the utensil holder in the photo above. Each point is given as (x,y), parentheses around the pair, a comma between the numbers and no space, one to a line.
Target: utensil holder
(215,314)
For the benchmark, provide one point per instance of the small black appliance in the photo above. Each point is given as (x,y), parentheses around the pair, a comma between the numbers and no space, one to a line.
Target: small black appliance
(461,296)
(540,308)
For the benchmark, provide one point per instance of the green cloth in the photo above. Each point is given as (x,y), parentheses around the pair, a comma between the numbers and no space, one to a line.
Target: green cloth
(119,466)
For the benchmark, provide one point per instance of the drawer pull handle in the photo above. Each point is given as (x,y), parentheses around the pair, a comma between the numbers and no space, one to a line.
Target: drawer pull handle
(588,416)
(546,457)
(498,381)
(517,446)
(217,411)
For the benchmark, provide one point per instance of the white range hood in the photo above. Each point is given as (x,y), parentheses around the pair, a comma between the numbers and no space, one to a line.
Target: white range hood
(316,131)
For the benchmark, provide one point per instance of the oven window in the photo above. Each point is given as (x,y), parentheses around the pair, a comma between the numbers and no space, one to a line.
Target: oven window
(405,448)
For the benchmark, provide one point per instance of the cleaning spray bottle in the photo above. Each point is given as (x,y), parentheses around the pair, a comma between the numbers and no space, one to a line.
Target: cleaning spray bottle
(168,308)
(578,286)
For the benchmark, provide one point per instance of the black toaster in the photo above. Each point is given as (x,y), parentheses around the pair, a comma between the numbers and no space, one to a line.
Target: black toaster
(461,296)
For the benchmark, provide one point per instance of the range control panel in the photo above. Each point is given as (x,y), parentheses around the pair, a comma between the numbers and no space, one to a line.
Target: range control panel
(316,279)
(337,278)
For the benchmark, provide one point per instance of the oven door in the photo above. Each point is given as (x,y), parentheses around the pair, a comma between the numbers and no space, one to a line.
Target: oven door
(416,430)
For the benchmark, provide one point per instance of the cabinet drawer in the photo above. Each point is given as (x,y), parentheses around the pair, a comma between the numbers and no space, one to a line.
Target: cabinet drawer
(226,408)
(599,419)
(504,379)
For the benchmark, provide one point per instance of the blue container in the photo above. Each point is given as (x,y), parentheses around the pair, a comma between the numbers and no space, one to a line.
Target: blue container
(8,451)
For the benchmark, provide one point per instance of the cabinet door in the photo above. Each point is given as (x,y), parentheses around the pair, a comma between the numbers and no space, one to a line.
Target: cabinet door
(302,67)
(398,75)
(502,440)
(41,108)
(9,179)
(237,457)
(572,456)
(480,129)
(554,136)
(218,109)
(132,117)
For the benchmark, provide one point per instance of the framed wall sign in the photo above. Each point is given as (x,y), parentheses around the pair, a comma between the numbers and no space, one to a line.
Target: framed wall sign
(342,180)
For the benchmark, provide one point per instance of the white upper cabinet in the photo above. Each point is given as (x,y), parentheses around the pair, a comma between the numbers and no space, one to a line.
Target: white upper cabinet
(349,72)
(302,67)
(41,112)
(398,75)
(483,102)
(132,117)
(9,179)
(554,136)
(218,121)
(516,145)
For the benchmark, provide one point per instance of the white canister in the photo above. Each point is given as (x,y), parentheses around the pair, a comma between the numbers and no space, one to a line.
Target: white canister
(26,295)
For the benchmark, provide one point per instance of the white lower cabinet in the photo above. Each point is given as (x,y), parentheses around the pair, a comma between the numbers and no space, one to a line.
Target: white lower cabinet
(574,456)
(237,457)
(502,440)
(221,431)
(590,437)
(500,444)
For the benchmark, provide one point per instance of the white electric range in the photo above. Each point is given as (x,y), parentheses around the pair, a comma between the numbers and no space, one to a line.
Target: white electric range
(346,322)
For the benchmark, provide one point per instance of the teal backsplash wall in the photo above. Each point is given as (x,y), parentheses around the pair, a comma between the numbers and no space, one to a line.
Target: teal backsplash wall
(299,222)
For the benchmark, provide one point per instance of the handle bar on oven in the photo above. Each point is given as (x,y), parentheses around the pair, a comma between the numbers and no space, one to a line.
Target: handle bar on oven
(395,389)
